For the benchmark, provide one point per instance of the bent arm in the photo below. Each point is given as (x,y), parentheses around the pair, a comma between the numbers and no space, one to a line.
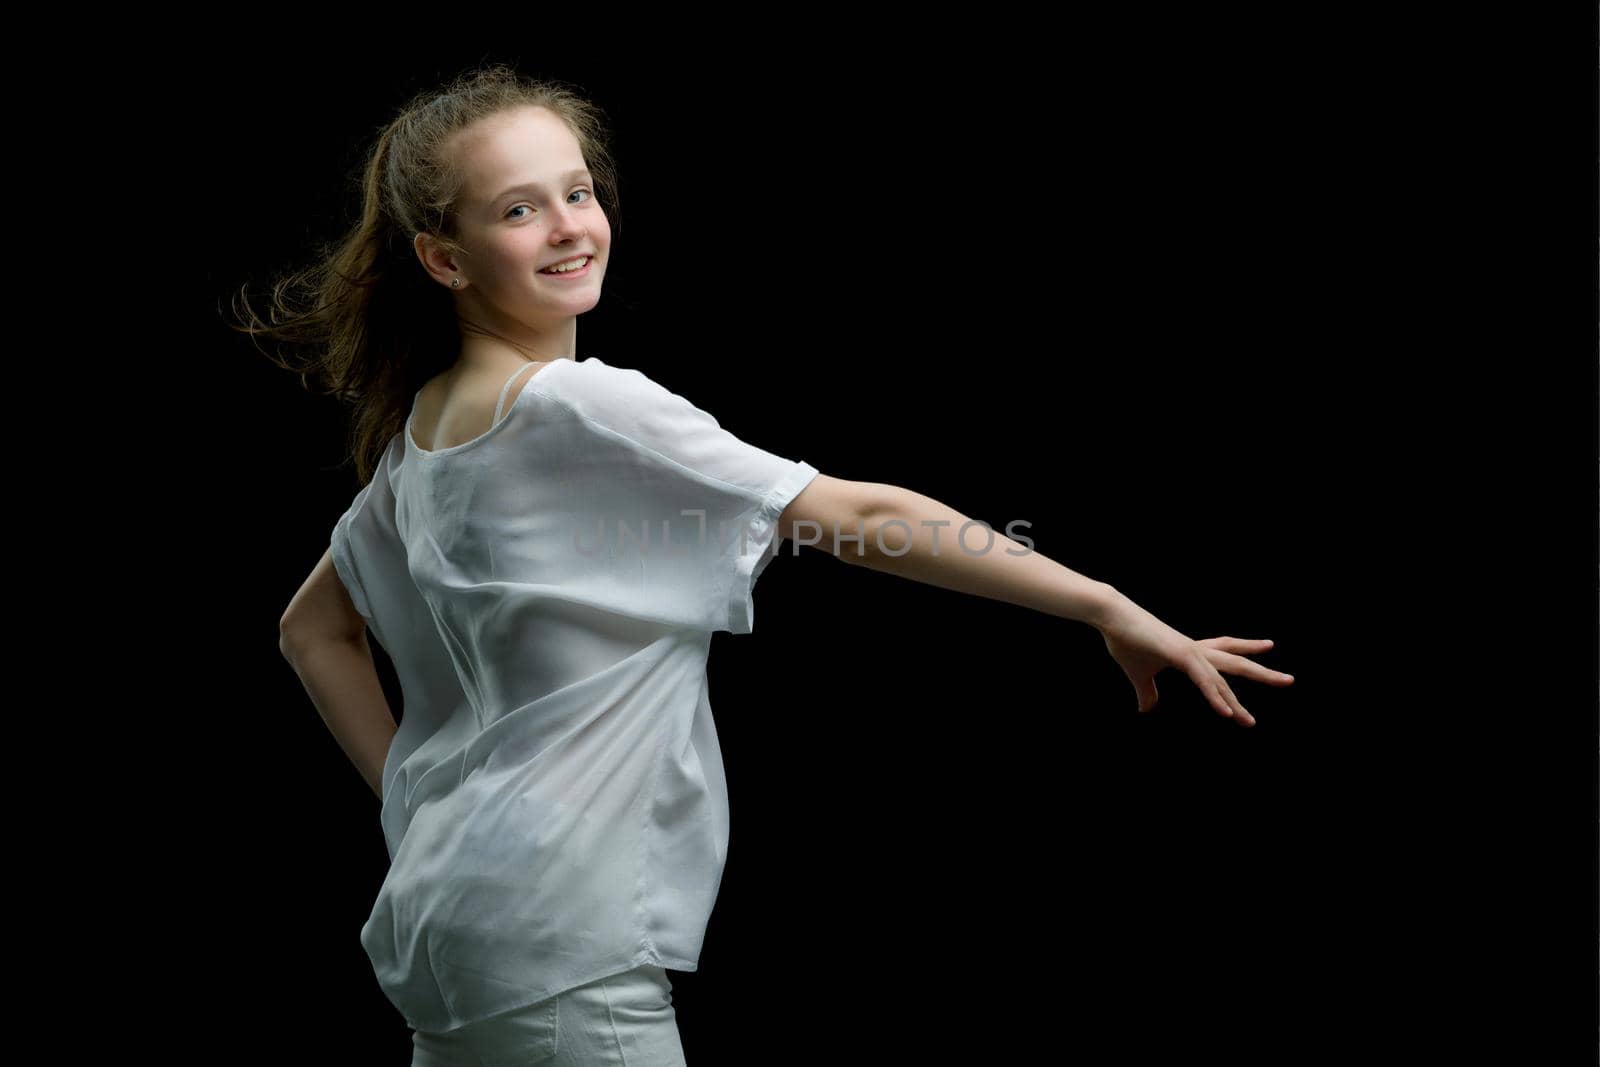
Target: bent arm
(342,681)
(898,531)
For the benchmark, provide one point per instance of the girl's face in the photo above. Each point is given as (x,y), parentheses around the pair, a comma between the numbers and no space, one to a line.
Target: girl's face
(528,204)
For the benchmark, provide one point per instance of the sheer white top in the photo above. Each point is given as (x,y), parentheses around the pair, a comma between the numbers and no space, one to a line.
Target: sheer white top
(554,803)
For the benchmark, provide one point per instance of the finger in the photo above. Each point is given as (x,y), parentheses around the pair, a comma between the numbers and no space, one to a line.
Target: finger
(1214,694)
(1237,644)
(1232,702)
(1209,682)
(1146,693)
(1235,664)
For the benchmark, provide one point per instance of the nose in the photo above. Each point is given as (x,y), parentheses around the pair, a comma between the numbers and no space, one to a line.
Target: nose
(567,227)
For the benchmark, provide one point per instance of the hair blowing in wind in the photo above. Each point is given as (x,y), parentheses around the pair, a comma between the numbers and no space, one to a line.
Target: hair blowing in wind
(362,320)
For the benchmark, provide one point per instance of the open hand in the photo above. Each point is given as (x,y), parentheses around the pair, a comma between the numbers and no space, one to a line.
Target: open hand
(1143,646)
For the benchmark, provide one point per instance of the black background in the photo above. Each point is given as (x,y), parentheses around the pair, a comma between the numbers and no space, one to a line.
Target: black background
(1182,296)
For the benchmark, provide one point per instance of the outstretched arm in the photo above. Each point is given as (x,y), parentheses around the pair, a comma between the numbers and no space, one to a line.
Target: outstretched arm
(898,531)
(892,529)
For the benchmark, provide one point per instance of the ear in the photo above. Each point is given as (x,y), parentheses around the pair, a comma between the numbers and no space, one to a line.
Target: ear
(434,260)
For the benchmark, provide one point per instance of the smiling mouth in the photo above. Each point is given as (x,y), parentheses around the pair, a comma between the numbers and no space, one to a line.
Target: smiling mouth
(588,261)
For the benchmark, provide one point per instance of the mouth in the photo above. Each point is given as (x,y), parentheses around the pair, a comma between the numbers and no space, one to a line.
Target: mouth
(588,264)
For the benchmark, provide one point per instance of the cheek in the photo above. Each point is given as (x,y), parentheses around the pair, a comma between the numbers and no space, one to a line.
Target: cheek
(514,254)
(526,247)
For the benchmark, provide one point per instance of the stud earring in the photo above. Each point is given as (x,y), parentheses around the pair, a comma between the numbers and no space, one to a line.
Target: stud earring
(455,282)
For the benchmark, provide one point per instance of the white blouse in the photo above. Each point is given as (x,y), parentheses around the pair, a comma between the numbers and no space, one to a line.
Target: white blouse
(554,803)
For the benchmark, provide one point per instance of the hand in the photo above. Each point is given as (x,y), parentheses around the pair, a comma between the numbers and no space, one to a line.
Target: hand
(1143,646)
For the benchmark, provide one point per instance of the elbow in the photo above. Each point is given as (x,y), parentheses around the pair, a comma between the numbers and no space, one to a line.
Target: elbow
(289,639)
(292,629)
(293,637)
(294,633)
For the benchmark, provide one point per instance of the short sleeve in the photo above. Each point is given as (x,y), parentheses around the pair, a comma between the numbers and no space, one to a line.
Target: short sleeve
(747,560)
(344,560)
(723,495)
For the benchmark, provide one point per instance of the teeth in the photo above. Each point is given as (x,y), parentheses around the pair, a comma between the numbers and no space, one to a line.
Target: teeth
(563,268)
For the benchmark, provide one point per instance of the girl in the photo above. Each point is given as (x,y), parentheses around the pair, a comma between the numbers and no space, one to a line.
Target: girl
(553,800)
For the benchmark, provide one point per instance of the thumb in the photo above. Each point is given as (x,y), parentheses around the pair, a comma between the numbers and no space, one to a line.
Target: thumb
(1146,690)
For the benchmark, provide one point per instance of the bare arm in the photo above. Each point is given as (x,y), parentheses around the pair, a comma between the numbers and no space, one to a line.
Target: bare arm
(324,638)
(898,531)
(342,682)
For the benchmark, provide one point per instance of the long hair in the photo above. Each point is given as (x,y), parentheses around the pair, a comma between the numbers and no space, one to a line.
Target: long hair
(364,321)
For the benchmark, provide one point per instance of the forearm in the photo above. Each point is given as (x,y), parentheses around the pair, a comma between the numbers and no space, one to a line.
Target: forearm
(917,537)
(342,682)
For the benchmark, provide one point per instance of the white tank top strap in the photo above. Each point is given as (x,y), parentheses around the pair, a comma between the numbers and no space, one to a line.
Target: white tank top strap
(504,389)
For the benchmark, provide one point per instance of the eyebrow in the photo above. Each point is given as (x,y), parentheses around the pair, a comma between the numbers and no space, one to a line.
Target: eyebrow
(571,175)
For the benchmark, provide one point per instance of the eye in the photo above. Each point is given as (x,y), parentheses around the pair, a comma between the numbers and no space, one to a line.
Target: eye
(509,215)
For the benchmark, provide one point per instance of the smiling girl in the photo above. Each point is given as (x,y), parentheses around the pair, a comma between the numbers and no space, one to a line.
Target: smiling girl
(553,800)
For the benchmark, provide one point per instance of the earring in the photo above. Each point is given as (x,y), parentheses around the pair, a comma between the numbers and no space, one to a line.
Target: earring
(455,282)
